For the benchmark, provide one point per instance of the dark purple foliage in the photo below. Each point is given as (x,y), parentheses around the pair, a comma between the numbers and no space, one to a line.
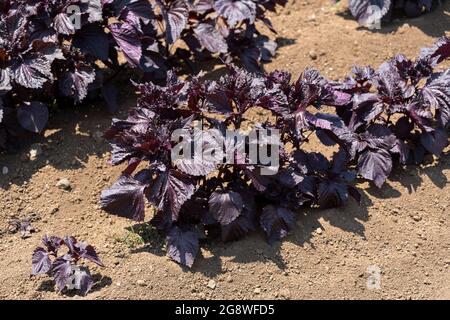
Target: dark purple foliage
(125,198)
(226,207)
(182,245)
(391,116)
(50,50)
(33,116)
(64,268)
(367,12)
(276,222)
(24,226)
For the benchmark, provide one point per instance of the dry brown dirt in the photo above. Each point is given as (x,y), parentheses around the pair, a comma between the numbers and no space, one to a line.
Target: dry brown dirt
(402,229)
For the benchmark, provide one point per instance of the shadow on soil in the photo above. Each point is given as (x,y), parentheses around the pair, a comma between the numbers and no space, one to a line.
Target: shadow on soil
(214,68)
(100,282)
(349,218)
(72,136)
(439,16)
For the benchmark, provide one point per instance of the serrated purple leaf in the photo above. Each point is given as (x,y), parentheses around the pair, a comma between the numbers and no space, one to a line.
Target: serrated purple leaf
(84,281)
(276,222)
(170,191)
(182,246)
(439,50)
(33,116)
(202,6)
(176,15)
(141,8)
(86,251)
(63,24)
(241,226)
(52,243)
(365,12)
(76,83)
(129,42)
(375,165)
(61,270)
(436,94)
(210,38)
(402,150)
(203,161)
(32,73)
(41,262)
(195,167)
(225,206)
(236,11)
(125,198)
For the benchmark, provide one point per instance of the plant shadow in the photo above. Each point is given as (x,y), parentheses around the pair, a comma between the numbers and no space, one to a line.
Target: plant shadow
(72,136)
(100,282)
(148,239)
(349,218)
(46,286)
(214,68)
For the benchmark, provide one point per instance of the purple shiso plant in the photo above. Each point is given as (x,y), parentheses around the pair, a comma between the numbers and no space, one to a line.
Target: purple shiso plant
(377,119)
(64,269)
(366,14)
(58,52)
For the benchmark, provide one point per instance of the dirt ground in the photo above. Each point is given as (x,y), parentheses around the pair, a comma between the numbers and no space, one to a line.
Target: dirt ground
(401,230)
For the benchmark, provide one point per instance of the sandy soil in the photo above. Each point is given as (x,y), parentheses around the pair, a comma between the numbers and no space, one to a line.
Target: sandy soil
(402,229)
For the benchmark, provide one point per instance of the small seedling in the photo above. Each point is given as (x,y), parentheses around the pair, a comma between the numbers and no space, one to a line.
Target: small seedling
(64,269)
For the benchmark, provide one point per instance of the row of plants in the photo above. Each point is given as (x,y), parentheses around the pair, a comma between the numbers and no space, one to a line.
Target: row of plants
(368,12)
(57,53)
(392,116)
(382,118)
